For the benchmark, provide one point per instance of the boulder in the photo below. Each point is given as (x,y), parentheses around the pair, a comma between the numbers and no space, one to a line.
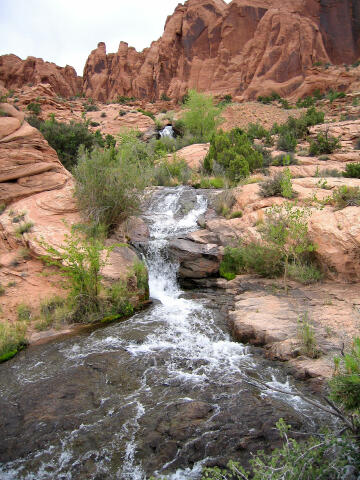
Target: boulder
(196,260)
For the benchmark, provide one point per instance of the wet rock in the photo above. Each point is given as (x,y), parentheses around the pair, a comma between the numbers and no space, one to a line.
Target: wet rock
(196,260)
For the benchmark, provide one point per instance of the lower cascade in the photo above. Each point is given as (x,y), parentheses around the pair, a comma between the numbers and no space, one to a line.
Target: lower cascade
(157,395)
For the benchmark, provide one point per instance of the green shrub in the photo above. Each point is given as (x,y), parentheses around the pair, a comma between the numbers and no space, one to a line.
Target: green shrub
(304,273)
(345,197)
(352,170)
(234,153)
(285,104)
(34,108)
(23,312)
(284,160)
(24,228)
(2,290)
(236,214)
(256,130)
(165,98)
(332,95)
(108,183)
(2,208)
(279,185)
(94,124)
(345,385)
(287,142)
(124,100)
(201,117)
(147,113)
(12,339)
(271,98)
(211,182)
(299,127)
(103,114)
(305,102)
(329,456)
(357,146)
(251,257)
(223,202)
(90,107)
(172,172)
(225,101)
(324,143)
(66,138)
(307,337)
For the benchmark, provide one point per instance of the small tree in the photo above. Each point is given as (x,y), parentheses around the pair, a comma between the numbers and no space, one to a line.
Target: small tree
(201,116)
(80,261)
(286,228)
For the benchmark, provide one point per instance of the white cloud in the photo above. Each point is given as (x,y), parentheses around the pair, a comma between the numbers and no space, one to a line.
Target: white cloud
(65,31)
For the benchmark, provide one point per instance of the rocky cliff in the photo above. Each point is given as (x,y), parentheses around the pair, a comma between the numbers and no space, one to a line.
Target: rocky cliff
(241,48)
(15,73)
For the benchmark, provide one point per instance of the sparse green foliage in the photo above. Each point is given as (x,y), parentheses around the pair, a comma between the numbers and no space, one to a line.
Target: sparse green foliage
(323,144)
(352,170)
(171,172)
(12,339)
(345,385)
(108,183)
(332,95)
(287,142)
(147,113)
(2,208)
(307,337)
(24,227)
(201,117)
(124,100)
(271,98)
(34,108)
(66,138)
(284,160)
(345,196)
(23,312)
(165,98)
(279,185)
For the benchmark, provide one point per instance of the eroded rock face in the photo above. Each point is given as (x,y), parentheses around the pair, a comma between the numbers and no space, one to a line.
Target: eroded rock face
(15,72)
(242,48)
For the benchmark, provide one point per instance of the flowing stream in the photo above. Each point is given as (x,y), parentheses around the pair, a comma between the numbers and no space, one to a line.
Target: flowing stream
(158,394)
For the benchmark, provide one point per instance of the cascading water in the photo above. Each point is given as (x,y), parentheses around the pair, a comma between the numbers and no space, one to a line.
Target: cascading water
(167,131)
(157,394)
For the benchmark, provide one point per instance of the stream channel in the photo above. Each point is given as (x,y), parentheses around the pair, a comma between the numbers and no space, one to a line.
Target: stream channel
(158,394)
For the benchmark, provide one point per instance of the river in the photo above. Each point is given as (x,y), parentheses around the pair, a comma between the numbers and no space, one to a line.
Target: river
(158,394)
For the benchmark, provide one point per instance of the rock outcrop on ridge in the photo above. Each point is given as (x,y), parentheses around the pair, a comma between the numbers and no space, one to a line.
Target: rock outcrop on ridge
(15,73)
(241,48)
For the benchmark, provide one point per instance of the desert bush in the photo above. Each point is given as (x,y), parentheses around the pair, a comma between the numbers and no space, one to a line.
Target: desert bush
(333,95)
(285,104)
(94,124)
(103,114)
(23,312)
(305,102)
(108,183)
(271,98)
(201,117)
(124,100)
(284,159)
(223,202)
(329,456)
(24,227)
(233,152)
(210,182)
(251,257)
(12,339)
(34,108)
(307,337)
(329,172)
(345,196)
(352,170)
(66,138)
(324,143)
(172,172)
(256,130)
(345,385)
(357,146)
(2,208)
(287,142)
(165,98)
(299,127)
(279,185)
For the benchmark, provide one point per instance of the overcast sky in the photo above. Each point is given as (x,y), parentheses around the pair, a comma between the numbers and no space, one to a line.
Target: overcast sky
(65,31)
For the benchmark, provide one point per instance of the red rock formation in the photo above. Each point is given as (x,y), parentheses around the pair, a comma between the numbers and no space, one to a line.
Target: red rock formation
(242,48)
(15,73)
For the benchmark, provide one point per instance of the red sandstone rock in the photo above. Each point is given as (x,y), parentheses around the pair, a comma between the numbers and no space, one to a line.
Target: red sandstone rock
(242,49)
(15,72)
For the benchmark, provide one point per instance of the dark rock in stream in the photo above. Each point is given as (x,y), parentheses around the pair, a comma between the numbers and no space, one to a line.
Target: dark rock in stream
(196,260)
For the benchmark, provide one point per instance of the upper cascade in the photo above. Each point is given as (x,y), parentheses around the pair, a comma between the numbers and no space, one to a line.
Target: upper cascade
(244,48)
